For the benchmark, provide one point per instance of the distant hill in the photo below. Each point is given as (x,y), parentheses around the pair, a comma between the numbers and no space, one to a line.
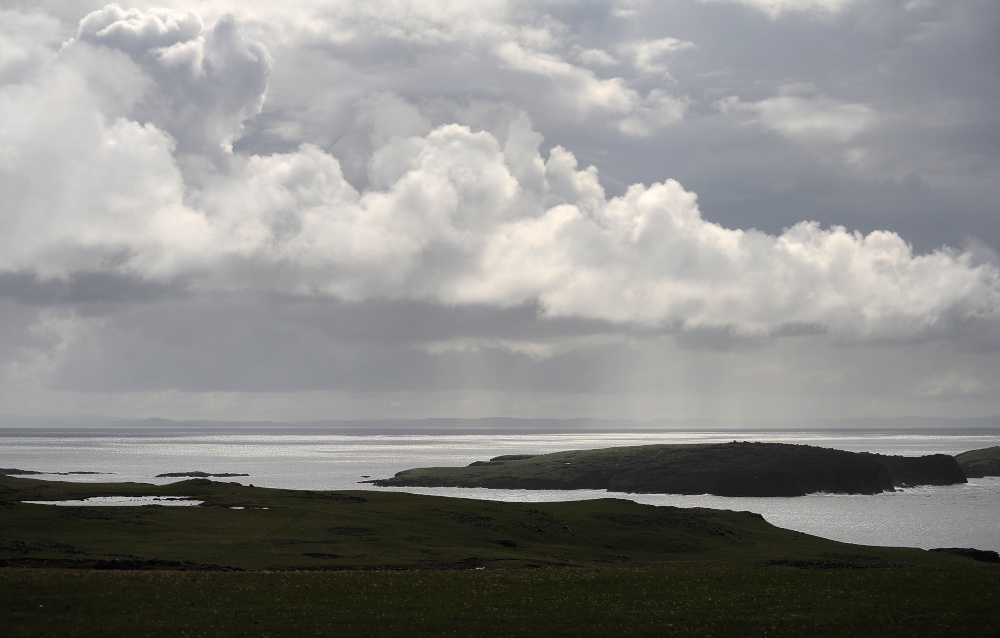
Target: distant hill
(444,425)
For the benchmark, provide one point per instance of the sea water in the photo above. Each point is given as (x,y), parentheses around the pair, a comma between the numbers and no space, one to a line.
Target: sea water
(965,515)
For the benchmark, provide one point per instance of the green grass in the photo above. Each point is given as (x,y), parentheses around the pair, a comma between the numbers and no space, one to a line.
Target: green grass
(644,601)
(369,563)
(283,529)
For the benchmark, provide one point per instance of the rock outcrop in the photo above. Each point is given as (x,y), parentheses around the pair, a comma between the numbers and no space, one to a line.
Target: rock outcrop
(908,471)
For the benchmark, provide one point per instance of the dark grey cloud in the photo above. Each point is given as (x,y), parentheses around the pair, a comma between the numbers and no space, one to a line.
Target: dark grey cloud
(82,288)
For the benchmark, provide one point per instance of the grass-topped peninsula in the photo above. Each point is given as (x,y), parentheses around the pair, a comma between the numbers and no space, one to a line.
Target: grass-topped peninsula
(724,469)
(375,563)
(980,463)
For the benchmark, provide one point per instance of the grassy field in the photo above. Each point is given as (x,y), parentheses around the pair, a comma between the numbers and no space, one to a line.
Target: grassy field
(300,529)
(368,563)
(638,601)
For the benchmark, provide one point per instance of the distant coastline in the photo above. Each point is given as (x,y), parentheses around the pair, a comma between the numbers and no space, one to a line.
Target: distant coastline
(15,425)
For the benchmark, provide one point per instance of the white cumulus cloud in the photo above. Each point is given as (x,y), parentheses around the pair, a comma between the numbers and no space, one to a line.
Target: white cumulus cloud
(202,84)
(135,174)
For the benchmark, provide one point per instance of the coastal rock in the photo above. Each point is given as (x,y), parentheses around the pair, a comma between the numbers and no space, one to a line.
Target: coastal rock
(933,469)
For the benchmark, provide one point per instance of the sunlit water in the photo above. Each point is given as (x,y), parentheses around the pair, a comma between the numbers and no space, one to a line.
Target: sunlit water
(950,516)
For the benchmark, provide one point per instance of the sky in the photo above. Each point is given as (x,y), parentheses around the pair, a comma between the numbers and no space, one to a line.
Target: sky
(726,209)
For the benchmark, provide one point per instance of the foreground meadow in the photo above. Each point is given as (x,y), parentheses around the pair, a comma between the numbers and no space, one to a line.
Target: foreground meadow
(636,601)
(253,561)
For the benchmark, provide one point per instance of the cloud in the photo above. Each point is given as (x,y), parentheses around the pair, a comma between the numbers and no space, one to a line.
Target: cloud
(657,111)
(596,57)
(579,91)
(403,207)
(537,350)
(776,8)
(83,288)
(805,118)
(82,191)
(652,56)
(132,175)
(201,84)
(26,43)
(52,338)
(578,88)
(953,383)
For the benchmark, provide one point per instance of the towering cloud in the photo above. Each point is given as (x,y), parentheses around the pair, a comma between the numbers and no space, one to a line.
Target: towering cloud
(197,85)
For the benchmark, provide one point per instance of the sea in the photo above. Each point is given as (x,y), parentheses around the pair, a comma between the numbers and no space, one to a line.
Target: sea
(965,515)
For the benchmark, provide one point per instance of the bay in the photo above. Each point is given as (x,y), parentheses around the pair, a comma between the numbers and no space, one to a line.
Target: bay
(940,516)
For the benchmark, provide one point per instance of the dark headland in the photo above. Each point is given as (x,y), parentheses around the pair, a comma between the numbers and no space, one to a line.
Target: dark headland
(723,469)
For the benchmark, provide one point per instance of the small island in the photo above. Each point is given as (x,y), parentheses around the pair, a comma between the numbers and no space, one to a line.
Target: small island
(722,469)
(198,474)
